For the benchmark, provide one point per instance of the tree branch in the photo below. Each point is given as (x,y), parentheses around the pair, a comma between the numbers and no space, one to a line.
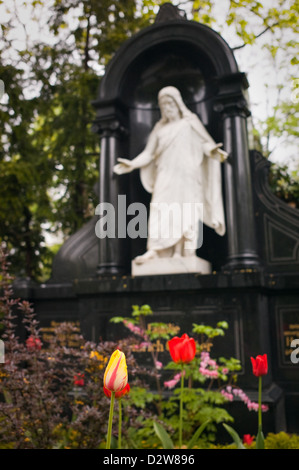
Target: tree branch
(256,37)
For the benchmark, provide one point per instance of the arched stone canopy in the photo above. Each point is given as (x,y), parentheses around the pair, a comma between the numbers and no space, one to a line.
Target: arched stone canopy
(208,44)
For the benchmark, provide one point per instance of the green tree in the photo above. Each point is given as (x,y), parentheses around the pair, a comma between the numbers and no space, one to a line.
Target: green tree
(24,178)
(48,152)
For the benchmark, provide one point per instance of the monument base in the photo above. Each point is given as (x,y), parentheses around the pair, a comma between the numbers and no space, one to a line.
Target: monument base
(172,265)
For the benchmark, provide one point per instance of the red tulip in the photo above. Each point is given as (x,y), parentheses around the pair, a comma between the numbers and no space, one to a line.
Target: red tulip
(79,380)
(182,349)
(247,439)
(33,343)
(259,365)
(120,394)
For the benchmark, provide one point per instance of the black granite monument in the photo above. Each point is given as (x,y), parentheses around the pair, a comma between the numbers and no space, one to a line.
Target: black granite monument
(255,279)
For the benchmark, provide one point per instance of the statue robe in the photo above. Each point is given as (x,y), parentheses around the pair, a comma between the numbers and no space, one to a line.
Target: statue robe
(184,170)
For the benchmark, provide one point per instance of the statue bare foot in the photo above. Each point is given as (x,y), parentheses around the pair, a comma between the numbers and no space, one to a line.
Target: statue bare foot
(151,254)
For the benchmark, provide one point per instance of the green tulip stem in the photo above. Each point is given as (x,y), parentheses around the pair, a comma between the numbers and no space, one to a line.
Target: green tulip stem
(260,403)
(181,410)
(119,423)
(260,435)
(108,443)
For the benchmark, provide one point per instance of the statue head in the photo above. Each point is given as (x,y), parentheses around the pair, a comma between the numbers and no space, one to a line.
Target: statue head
(175,95)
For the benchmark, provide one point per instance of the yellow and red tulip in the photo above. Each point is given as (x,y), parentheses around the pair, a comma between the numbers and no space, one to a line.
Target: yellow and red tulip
(115,384)
(116,373)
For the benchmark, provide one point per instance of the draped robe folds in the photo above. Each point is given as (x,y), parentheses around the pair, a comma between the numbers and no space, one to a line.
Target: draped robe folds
(184,170)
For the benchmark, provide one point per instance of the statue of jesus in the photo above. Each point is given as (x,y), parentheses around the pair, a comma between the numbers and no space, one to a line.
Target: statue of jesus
(180,164)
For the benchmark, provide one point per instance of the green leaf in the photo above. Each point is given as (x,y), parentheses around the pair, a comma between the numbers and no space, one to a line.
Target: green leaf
(235,436)
(146,310)
(116,320)
(163,436)
(222,324)
(197,434)
(260,440)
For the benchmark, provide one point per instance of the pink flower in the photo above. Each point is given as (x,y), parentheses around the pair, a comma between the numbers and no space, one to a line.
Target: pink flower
(208,372)
(172,383)
(230,392)
(205,355)
(159,365)
(208,366)
(228,396)
(135,329)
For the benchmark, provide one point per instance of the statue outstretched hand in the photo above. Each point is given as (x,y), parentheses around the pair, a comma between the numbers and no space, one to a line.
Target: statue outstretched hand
(221,155)
(124,166)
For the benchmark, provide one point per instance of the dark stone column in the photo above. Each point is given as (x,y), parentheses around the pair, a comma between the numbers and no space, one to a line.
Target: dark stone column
(111,248)
(241,236)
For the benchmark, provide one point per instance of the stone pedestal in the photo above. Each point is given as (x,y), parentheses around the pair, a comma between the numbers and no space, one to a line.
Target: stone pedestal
(173,265)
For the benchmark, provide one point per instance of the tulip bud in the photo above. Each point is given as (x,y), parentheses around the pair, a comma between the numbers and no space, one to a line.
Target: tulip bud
(260,365)
(182,350)
(248,439)
(116,374)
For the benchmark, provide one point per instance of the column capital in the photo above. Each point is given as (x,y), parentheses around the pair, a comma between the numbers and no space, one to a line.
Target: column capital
(232,107)
(231,99)
(110,118)
(111,127)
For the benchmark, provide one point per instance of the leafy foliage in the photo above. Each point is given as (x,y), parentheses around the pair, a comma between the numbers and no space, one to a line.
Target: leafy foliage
(203,400)
(285,184)
(41,405)
(48,152)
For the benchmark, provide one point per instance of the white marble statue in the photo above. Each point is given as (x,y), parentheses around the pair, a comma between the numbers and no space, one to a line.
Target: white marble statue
(180,164)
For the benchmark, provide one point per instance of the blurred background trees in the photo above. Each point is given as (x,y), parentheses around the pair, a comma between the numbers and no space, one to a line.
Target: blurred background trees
(53,54)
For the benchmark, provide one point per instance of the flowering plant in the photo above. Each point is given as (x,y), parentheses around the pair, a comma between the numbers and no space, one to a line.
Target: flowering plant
(115,381)
(260,368)
(52,396)
(47,403)
(182,351)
